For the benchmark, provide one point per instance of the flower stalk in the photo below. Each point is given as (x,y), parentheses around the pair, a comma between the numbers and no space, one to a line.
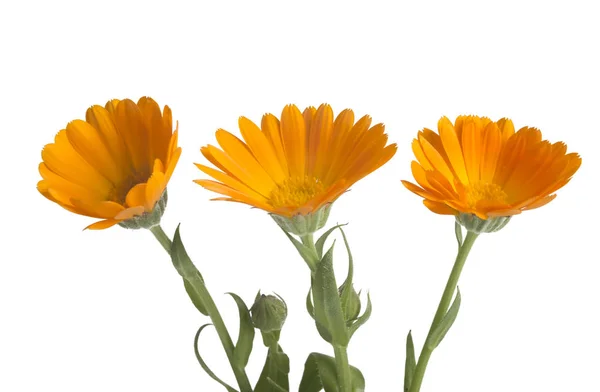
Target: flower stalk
(442,310)
(210,308)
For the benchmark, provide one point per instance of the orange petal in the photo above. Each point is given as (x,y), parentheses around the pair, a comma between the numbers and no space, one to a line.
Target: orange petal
(439,208)
(272,130)
(136,196)
(320,135)
(129,213)
(131,128)
(490,151)
(436,159)
(230,182)
(86,140)
(262,149)
(471,146)
(293,134)
(239,160)
(154,189)
(453,149)
(227,191)
(103,224)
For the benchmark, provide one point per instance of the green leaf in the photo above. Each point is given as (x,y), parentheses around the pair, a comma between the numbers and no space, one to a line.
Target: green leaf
(349,299)
(321,241)
(243,347)
(363,318)
(181,261)
(196,299)
(411,363)
(458,231)
(274,375)
(309,305)
(307,254)
(205,366)
(437,335)
(320,373)
(328,310)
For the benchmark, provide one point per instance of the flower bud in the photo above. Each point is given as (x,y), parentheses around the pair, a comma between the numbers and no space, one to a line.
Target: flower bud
(268,313)
(147,219)
(477,225)
(302,225)
(350,302)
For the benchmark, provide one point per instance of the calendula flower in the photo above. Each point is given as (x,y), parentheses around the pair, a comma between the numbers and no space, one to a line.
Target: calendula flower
(296,166)
(484,169)
(115,165)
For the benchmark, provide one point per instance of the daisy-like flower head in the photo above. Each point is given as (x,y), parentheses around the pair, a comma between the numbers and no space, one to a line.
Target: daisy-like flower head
(477,169)
(115,165)
(297,166)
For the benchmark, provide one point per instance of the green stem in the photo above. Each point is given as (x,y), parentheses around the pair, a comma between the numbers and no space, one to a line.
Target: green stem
(160,235)
(217,321)
(309,242)
(463,252)
(343,368)
(340,352)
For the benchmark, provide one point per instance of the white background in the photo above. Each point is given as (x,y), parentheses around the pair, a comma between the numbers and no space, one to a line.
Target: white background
(105,311)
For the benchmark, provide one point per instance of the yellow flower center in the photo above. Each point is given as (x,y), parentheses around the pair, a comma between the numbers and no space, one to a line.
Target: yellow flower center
(295,192)
(479,191)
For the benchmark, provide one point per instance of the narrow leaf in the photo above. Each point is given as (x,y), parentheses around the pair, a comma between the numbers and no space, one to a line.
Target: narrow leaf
(363,318)
(196,299)
(320,373)
(205,366)
(309,305)
(328,310)
(275,370)
(307,254)
(275,386)
(320,244)
(442,328)
(458,231)
(411,363)
(349,299)
(243,347)
(181,261)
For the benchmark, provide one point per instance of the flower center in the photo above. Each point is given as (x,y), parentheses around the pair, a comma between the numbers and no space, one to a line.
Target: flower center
(483,191)
(295,192)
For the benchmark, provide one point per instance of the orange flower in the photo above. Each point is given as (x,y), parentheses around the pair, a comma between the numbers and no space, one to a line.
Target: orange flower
(297,165)
(481,167)
(113,166)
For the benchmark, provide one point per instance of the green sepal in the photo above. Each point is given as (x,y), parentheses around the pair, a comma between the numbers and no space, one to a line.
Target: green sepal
(437,335)
(205,366)
(307,253)
(411,363)
(321,241)
(349,299)
(458,231)
(196,299)
(328,310)
(274,375)
(363,318)
(320,374)
(243,346)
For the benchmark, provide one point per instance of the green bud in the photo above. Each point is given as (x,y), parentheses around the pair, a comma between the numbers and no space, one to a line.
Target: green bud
(350,302)
(268,313)
(302,225)
(147,219)
(477,225)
